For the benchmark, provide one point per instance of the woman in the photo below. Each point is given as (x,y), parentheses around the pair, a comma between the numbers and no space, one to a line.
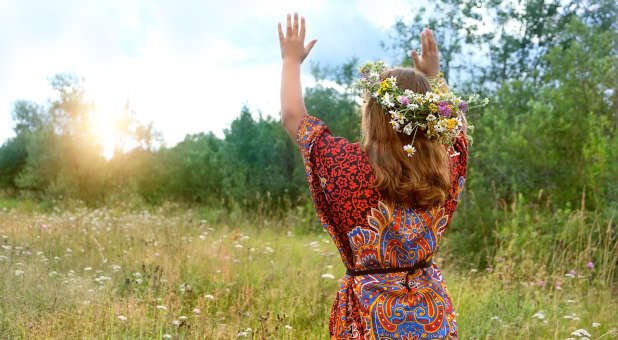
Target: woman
(387,202)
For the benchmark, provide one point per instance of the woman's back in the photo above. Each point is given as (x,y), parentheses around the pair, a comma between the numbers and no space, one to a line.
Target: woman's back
(371,233)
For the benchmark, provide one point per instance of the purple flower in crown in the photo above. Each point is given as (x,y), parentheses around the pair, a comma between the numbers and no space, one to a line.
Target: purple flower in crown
(404,100)
(463,107)
(444,109)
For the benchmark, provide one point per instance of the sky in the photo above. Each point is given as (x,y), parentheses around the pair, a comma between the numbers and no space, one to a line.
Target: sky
(186,66)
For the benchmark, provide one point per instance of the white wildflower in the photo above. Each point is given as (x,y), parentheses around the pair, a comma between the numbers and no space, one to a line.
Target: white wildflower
(208,296)
(167,336)
(328,276)
(288,327)
(387,100)
(408,129)
(196,310)
(175,322)
(581,332)
(161,307)
(87,269)
(19,272)
(122,318)
(596,324)
(539,315)
(182,317)
(409,149)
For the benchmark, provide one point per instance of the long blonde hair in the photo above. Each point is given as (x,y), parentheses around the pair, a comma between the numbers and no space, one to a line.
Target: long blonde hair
(421,181)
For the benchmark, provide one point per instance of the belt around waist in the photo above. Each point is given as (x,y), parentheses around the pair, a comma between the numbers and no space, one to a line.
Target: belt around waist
(411,269)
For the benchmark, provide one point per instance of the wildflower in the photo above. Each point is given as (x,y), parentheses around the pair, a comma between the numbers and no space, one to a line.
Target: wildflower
(386,100)
(473,270)
(167,336)
(161,307)
(411,150)
(558,285)
(115,268)
(3,258)
(463,107)
(408,129)
(19,272)
(581,332)
(433,107)
(122,318)
(5,247)
(208,296)
(44,226)
(176,323)
(139,281)
(571,301)
(196,311)
(539,315)
(269,249)
(182,317)
(444,109)
(328,276)
(590,265)
(288,327)
(596,324)
(571,273)
(404,100)
(542,283)
(489,269)
(28,252)
(499,259)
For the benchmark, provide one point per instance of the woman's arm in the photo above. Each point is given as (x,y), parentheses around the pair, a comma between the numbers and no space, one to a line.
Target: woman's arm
(293,52)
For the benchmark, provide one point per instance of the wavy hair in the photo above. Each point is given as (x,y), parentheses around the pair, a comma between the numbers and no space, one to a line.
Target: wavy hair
(421,181)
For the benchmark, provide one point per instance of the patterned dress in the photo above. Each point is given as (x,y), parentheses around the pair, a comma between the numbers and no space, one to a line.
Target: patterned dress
(372,233)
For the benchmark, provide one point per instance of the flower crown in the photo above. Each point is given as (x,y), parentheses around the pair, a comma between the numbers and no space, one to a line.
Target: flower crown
(439,113)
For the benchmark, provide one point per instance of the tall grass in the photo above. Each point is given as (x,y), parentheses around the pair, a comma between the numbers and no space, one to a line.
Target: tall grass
(182,272)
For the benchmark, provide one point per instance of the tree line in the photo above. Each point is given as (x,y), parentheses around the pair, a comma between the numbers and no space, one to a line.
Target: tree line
(549,69)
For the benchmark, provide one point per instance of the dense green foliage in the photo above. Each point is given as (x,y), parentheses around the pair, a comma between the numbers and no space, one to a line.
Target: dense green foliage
(548,137)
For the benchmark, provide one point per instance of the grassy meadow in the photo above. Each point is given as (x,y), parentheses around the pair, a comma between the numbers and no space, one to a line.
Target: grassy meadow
(175,272)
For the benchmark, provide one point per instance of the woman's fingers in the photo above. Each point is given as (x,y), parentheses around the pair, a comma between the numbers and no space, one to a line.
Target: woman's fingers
(302,28)
(280,33)
(432,41)
(416,59)
(288,32)
(295,28)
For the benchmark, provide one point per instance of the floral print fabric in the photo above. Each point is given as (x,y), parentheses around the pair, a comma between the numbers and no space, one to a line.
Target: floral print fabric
(370,233)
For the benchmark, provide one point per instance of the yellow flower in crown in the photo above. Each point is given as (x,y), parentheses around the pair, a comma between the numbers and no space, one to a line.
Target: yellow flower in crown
(384,86)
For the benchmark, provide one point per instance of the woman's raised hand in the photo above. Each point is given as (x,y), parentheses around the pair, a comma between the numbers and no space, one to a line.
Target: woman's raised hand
(293,43)
(429,61)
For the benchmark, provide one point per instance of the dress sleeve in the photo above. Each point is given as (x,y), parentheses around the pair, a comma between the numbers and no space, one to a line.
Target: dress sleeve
(315,141)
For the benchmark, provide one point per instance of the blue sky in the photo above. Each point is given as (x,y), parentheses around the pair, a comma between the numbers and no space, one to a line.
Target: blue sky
(187,66)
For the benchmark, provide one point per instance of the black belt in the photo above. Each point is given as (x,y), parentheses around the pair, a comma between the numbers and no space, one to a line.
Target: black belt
(412,269)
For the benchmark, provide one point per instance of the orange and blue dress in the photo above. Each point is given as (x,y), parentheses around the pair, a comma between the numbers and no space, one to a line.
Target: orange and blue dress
(371,233)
